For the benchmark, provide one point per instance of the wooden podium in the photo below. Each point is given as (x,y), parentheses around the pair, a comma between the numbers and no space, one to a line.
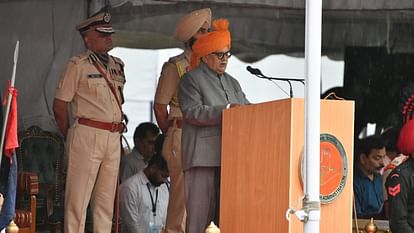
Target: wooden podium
(261,166)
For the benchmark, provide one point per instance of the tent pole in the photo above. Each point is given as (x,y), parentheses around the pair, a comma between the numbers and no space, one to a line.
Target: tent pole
(9,97)
(313,32)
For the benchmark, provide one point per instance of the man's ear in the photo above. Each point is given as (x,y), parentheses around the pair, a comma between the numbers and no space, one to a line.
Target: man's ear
(86,39)
(362,158)
(204,59)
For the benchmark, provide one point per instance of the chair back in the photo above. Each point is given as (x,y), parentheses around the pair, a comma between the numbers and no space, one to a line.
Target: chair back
(42,152)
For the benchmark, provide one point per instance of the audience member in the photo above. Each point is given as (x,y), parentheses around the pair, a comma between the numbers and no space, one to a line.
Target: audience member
(144,141)
(144,198)
(368,190)
(190,27)
(204,92)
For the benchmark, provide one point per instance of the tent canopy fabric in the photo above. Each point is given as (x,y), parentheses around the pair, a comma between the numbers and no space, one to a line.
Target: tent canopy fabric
(47,37)
(45,30)
(264,27)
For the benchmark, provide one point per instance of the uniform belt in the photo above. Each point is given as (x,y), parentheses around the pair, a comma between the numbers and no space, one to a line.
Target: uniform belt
(178,123)
(112,127)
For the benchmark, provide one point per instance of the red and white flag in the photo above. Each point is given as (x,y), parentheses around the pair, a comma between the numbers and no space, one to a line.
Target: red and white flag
(11,140)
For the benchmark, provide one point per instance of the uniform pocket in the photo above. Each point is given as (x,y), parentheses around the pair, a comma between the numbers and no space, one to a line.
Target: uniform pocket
(97,86)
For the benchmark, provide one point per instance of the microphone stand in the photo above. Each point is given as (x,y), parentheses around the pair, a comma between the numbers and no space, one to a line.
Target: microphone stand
(288,80)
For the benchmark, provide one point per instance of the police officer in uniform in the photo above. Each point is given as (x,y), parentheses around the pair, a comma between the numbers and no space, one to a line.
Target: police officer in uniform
(189,28)
(92,84)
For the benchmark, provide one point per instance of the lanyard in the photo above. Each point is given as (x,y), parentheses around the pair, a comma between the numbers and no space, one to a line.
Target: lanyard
(153,203)
(111,86)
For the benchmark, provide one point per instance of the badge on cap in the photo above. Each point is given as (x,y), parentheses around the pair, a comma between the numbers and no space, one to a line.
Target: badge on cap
(107,17)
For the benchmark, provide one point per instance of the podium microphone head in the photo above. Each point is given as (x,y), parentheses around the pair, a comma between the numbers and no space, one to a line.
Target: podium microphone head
(253,71)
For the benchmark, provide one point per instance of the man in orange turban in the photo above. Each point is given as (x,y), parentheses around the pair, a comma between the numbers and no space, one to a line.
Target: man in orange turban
(167,111)
(204,92)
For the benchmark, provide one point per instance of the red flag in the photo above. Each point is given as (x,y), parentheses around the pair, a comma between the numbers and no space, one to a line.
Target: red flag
(11,141)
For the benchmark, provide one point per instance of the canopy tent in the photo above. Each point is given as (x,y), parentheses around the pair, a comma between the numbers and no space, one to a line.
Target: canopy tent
(47,37)
(261,27)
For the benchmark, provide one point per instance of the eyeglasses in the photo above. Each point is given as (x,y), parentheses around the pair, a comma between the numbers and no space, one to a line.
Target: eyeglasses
(220,55)
(203,30)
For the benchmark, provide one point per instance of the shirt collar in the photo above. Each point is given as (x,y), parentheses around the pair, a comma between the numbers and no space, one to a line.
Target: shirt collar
(187,55)
(203,66)
(362,175)
(138,155)
(143,178)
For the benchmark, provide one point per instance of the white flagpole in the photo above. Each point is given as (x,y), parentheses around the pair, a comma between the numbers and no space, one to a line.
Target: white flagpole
(9,98)
(313,35)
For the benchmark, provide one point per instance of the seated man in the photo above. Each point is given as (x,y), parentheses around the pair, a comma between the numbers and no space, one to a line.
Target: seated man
(144,198)
(144,140)
(368,191)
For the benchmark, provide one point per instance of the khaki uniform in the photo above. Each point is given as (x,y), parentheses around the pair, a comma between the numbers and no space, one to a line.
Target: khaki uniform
(93,153)
(166,93)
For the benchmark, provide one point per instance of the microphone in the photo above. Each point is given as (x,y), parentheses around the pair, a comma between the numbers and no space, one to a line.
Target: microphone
(259,74)
(254,71)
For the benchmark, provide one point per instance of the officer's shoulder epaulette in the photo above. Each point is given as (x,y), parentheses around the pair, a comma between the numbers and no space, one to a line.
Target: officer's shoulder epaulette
(118,60)
(79,58)
(176,58)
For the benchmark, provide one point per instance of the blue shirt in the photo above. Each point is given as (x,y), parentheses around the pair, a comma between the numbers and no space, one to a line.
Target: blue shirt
(369,197)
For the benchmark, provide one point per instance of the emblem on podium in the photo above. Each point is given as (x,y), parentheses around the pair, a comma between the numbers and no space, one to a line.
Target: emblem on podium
(333,168)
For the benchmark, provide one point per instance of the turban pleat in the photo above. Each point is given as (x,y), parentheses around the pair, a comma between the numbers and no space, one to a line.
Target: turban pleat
(211,42)
(406,139)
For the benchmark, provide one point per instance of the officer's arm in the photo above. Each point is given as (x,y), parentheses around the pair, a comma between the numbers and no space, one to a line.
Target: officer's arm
(166,89)
(161,114)
(61,115)
(398,190)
